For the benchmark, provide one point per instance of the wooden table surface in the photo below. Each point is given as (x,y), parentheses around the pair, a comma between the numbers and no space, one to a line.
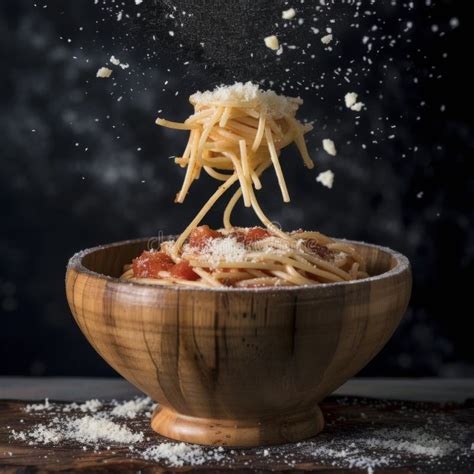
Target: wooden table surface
(351,442)
(78,388)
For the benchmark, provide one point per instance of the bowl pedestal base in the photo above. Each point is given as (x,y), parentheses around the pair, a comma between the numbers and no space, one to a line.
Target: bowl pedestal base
(238,433)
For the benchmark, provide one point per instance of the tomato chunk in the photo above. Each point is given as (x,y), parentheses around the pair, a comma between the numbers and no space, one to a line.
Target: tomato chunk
(200,235)
(257,233)
(149,264)
(184,271)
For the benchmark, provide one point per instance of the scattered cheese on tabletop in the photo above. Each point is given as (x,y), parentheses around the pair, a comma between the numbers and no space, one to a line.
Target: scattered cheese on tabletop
(329,147)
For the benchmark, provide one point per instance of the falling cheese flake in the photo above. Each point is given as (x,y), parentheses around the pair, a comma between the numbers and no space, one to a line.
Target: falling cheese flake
(350,99)
(327,39)
(357,107)
(116,62)
(104,72)
(272,42)
(326,178)
(288,14)
(329,147)
(351,102)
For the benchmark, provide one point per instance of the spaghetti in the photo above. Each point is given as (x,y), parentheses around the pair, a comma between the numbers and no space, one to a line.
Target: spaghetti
(235,134)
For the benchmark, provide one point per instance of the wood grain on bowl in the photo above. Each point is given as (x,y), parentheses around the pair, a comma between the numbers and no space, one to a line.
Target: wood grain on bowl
(238,367)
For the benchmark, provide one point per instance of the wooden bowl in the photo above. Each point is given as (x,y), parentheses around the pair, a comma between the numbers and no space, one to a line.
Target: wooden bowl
(236,367)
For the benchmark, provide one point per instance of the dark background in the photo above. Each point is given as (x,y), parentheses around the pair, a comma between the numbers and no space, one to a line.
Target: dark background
(82,163)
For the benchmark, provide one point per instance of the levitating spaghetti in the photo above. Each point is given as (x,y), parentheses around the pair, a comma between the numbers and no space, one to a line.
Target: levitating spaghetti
(235,134)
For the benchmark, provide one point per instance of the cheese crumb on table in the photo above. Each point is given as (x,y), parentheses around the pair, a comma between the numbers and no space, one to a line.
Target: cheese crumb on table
(46,406)
(104,72)
(326,178)
(132,408)
(272,42)
(329,147)
(87,429)
(434,438)
(181,454)
(326,39)
(288,14)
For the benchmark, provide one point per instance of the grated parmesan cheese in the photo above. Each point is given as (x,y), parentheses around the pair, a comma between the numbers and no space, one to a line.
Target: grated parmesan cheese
(87,429)
(326,179)
(226,249)
(327,39)
(132,408)
(277,105)
(114,60)
(357,107)
(104,72)
(288,14)
(272,42)
(179,454)
(92,406)
(435,441)
(350,98)
(351,102)
(46,406)
(329,147)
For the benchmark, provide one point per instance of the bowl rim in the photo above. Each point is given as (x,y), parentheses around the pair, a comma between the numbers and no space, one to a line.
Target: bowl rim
(75,263)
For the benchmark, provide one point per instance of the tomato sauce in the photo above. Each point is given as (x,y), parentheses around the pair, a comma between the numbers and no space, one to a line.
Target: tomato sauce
(149,264)
(184,271)
(201,235)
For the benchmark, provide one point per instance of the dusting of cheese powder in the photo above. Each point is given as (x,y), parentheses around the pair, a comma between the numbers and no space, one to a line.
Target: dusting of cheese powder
(227,249)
